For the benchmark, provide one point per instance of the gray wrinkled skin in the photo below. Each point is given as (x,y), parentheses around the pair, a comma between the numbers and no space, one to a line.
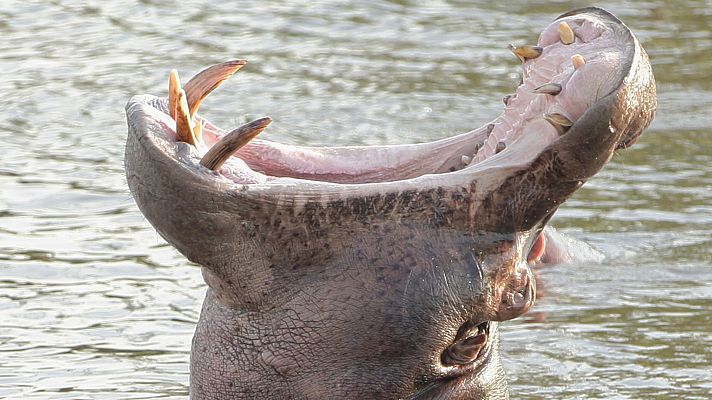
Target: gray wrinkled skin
(355,295)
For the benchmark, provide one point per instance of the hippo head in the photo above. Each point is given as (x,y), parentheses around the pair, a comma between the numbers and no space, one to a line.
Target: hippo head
(380,272)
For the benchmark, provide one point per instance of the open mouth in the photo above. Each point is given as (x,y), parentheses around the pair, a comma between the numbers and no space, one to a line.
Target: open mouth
(576,62)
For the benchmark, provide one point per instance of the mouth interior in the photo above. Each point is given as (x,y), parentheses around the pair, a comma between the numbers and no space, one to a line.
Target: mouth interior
(568,70)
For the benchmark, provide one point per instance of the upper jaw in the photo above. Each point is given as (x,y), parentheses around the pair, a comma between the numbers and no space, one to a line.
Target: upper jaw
(614,118)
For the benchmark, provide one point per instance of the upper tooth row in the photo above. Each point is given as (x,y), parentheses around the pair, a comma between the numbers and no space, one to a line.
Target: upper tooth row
(528,52)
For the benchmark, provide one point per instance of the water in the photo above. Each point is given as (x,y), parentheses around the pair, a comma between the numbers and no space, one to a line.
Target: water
(94,305)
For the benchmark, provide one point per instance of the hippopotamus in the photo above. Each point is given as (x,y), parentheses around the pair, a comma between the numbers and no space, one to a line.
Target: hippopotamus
(380,272)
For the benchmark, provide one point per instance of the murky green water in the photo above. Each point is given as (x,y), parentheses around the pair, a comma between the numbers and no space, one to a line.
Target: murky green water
(94,305)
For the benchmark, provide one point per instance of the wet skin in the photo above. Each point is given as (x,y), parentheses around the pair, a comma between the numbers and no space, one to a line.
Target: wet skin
(381,272)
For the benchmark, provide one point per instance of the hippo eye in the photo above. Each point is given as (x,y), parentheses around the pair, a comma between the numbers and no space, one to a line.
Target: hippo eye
(470,349)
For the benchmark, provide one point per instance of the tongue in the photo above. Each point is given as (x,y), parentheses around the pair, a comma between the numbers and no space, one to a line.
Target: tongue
(537,250)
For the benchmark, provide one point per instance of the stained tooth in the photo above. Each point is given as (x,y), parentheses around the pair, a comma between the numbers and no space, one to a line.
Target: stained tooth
(466,159)
(500,146)
(566,33)
(526,52)
(173,92)
(184,126)
(560,122)
(548,88)
(507,98)
(233,141)
(205,81)
(578,61)
(478,146)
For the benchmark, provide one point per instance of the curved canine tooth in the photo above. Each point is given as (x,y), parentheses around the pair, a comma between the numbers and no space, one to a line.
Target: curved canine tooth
(526,52)
(233,141)
(173,92)
(184,126)
(560,122)
(566,33)
(205,81)
(500,147)
(578,61)
(548,88)
(466,159)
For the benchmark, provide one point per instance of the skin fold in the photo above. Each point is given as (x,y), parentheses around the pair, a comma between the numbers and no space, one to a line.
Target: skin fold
(382,272)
